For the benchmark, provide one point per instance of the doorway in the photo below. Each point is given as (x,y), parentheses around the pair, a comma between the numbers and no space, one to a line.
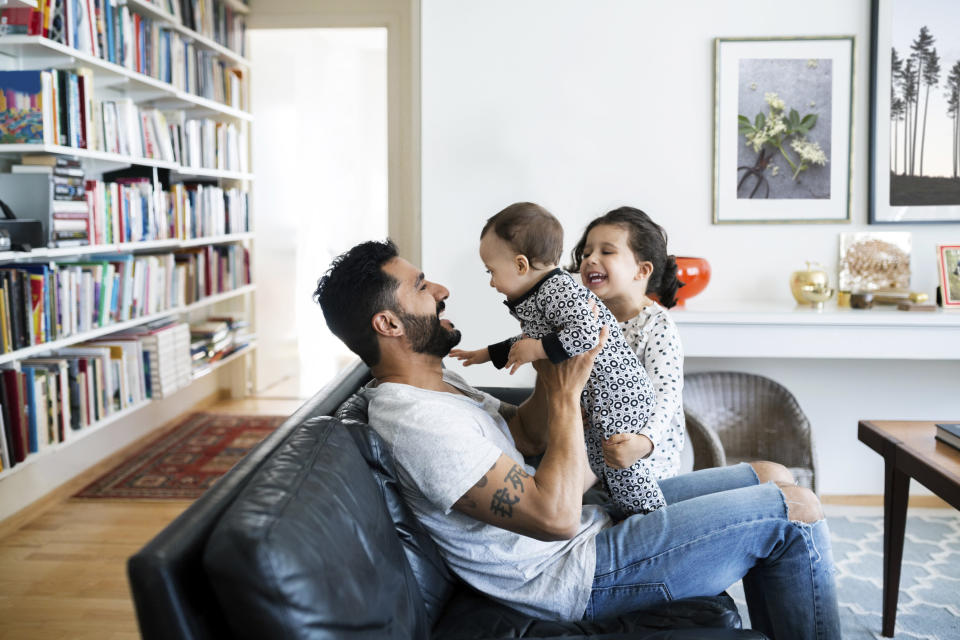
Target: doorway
(319,145)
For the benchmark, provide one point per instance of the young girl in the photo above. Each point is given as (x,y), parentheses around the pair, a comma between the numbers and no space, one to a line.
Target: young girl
(520,247)
(621,257)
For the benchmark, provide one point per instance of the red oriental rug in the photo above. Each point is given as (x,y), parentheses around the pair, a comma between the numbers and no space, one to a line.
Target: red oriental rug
(186,460)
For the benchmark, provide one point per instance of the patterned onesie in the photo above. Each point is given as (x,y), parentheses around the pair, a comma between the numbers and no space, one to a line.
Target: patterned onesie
(617,398)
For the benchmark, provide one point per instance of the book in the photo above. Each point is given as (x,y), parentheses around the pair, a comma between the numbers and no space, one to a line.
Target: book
(26,107)
(16,396)
(949,434)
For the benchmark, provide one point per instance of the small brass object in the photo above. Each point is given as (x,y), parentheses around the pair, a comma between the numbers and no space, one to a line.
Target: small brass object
(811,286)
(843,299)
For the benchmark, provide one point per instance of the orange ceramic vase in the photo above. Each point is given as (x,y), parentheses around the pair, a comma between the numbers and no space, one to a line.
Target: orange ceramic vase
(694,273)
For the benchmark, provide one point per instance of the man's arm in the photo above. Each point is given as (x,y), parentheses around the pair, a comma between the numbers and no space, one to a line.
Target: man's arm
(546,505)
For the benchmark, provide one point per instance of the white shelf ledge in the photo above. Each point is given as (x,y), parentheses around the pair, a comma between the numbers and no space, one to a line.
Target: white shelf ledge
(98,156)
(223,174)
(239,353)
(75,436)
(771,330)
(47,53)
(230,237)
(46,347)
(120,247)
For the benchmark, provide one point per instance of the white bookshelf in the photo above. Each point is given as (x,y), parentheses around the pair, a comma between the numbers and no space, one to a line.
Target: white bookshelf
(54,464)
(213,173)
(111,160)
(40,349)
(148,9)
(120,247)
(76,436)
(42,53)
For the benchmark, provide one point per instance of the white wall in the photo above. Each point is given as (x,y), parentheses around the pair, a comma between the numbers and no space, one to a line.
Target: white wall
(584,106)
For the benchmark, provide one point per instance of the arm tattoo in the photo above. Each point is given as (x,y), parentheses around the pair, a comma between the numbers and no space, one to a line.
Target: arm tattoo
(515,477)
(482,482)
(502,503)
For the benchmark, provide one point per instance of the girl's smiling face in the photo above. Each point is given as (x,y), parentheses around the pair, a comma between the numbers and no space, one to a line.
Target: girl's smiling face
(609,267)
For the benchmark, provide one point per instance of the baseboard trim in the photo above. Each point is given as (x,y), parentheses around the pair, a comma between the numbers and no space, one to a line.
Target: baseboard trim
(873,500)
(64,491)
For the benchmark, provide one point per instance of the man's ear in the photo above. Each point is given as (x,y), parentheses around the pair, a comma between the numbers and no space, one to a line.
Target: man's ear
(387,323)
(522,264)
(644,270)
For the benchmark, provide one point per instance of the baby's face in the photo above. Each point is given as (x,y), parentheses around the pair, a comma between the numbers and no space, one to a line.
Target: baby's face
(501,262)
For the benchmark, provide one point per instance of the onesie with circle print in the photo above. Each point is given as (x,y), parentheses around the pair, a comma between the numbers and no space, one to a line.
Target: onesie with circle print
(618,396)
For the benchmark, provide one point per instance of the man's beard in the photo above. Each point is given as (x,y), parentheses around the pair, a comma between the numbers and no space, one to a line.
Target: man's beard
(427,335)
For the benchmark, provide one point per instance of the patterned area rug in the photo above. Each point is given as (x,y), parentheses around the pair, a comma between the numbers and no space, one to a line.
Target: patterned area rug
(186,461)
(929,605)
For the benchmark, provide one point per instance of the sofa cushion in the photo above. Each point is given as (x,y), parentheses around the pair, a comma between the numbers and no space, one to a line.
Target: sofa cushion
(435,580)
(307,550)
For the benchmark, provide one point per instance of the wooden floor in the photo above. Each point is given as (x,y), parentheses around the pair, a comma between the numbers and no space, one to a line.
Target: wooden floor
(63,571)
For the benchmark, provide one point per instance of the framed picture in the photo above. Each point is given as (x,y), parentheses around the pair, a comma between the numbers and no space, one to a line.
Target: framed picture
(783,110)
(914,133)
(948,257)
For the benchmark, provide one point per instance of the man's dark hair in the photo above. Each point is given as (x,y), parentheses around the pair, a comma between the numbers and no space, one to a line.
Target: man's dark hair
(353,290)
(531,230)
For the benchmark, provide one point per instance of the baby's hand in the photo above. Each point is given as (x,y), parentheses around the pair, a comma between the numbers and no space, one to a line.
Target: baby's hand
(523,351)
(621,450)
(471,357)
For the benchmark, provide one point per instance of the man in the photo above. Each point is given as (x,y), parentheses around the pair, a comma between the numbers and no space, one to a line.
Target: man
(523,536)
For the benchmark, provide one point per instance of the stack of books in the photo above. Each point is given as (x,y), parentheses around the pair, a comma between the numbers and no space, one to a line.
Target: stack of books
(166,356)
(69,208)
(216,338)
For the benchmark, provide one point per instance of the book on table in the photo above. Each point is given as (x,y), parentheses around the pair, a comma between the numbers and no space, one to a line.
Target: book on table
(949,434)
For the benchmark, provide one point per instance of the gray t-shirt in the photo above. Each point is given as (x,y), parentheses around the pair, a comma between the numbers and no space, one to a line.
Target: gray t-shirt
(443,443)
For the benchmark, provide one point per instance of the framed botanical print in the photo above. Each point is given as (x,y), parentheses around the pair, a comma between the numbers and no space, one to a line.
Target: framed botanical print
(948,261)
(783,110)
(914,132)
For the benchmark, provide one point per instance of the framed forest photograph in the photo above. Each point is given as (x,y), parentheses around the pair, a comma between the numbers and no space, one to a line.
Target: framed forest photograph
(915,131)
(782,129)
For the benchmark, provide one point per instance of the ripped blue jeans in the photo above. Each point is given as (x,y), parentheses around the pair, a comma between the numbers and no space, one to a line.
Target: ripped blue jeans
(719,526)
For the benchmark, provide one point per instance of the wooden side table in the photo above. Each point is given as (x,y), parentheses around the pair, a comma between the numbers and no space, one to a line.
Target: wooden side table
(909,450)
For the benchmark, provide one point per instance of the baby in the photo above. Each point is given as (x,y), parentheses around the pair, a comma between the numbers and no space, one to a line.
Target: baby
(521,247)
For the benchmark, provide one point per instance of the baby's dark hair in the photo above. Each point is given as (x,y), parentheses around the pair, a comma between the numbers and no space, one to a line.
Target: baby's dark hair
(648,241)
(531,230)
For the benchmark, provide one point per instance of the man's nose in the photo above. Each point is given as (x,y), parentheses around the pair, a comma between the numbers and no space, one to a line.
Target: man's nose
(438,291)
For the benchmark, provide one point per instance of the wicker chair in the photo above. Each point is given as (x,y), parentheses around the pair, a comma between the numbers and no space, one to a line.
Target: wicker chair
(738,417)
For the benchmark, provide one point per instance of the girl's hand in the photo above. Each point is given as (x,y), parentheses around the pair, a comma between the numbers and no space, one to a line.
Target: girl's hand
(471,357)
(622,450)
(523,351)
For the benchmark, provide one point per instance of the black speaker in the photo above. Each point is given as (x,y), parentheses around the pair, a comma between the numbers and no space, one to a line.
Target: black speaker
(24,234)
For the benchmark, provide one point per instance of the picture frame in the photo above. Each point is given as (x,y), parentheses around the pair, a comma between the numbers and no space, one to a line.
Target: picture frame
(914,173)
(783,129)
(948,261)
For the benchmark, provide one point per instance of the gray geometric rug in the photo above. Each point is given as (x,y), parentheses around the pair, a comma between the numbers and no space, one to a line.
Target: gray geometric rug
(929,604)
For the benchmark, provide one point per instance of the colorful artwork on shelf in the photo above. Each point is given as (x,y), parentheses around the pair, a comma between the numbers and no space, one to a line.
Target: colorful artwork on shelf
(21,107)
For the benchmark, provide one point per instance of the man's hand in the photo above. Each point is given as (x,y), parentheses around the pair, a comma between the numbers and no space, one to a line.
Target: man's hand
(569,376)
(523,351)
(621,450)
(468,358)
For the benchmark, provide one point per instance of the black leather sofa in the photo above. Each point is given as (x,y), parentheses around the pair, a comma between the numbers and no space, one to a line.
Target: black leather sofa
(307,538)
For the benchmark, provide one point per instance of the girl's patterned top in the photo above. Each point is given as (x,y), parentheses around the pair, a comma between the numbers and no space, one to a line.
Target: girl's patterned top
(653,336)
